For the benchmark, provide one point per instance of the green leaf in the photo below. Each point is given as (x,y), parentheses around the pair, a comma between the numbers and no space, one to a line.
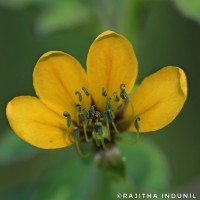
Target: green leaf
(132,18)
(190,8)
(147,170)
(15,4)
(63,15)
(146,165)
(13,148)
(22,4)
(71,180)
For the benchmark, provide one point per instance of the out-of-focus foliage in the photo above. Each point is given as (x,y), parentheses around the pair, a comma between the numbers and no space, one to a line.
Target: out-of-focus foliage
(127,16)
(14,149)
(23,4)
(63,15)
(189,8)
(56,15)
(146,165)
(61,174)
(15,4)
(147,170)
(161,36)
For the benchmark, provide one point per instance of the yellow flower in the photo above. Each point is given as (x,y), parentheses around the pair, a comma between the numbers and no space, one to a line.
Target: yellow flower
(96,105)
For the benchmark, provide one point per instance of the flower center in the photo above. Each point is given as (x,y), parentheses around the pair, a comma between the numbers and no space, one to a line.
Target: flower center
(93,125)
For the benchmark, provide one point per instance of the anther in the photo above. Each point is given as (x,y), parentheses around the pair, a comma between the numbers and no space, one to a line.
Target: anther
(65,114)
(108,116)
(136,123)
(104,93)
(124,95)
(91,112)
(86,90)
(99,134)
(98,128)
(83,118)
(122,87)
(87,112)
(84,122)
(78,106)
(68,116)
(116,96)
(108,103)
(79,95)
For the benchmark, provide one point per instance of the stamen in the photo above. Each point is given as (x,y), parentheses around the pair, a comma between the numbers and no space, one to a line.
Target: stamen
(86,90)
(116,96)
(93,107)
(108,103)
(68,116)
(92,112)
(116,130)
(95,134)
(110,116)
(90,119)
(79,95)
(137,137)
(98,134)
(126,98)
(78,107)
(138,129)
(84,121)
(87,112)
(76,135)
(105,116)
(97,115)
(98,128)
(121,107)
(123,93)
(136,123)
(104,93)
(122,86)
(82,117)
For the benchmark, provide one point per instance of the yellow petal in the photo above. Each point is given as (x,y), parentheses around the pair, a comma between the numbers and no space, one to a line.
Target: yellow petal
(57,76)
(159,98)
(35,123)
(111,61)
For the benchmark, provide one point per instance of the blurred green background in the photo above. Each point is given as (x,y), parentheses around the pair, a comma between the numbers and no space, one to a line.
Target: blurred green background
(163,32)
